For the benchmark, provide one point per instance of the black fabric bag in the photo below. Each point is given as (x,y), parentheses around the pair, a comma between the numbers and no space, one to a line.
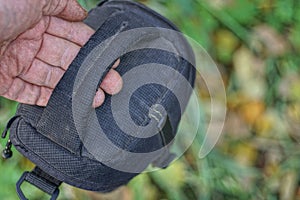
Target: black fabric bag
(61,149)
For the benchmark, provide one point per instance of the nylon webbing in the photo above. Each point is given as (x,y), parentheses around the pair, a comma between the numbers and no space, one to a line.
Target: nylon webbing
(41,180)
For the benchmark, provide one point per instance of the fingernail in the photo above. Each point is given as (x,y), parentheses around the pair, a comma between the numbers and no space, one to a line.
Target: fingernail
(116,64)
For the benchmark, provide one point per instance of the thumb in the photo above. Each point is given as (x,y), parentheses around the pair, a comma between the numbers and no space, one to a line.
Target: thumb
(67,9)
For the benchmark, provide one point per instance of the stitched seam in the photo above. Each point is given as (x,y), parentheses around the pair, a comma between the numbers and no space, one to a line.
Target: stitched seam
(29,151)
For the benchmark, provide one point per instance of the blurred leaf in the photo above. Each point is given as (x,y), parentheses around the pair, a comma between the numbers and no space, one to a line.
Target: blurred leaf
(88,4)
(264,125)
(168,175)
(245,154)
(294,36)
(288,185)
(225,19)
(244,11)
(295,90)
(250,75)
(170,183)
(293,119)
(251,111)
(274,43)
(235,127)
(284,10)
(226,43)
(142,188)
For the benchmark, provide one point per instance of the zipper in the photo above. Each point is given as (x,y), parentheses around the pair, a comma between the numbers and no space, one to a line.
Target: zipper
(7,152)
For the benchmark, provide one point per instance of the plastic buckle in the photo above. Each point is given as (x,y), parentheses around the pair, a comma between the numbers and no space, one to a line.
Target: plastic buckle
(21,194)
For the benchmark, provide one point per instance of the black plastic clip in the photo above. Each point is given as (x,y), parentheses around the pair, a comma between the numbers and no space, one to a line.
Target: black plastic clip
(41,180)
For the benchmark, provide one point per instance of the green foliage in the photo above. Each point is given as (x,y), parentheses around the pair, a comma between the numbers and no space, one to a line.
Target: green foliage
(243,11)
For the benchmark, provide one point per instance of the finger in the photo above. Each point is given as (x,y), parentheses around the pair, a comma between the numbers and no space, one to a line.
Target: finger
(27,93)
(21,52)
(23,92)
(116,64)
(57,52)
(36,32)
(42,74)
(5,81)
(73,11)
(66,9)
(112,83)
(16,87)
(76,32)
(99,98)
(45,94)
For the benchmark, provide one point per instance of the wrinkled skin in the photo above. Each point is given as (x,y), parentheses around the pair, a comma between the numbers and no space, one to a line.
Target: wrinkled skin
(38,41)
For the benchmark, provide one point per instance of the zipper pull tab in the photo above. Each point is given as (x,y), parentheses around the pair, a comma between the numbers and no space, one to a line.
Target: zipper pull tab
(4,133)
(7,152)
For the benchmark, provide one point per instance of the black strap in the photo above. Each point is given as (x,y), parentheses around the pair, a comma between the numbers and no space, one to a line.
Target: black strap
(41,180)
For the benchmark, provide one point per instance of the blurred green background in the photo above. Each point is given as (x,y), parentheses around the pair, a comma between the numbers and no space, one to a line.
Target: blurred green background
(256,45)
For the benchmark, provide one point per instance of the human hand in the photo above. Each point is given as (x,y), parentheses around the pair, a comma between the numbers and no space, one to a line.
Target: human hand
(39,47)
